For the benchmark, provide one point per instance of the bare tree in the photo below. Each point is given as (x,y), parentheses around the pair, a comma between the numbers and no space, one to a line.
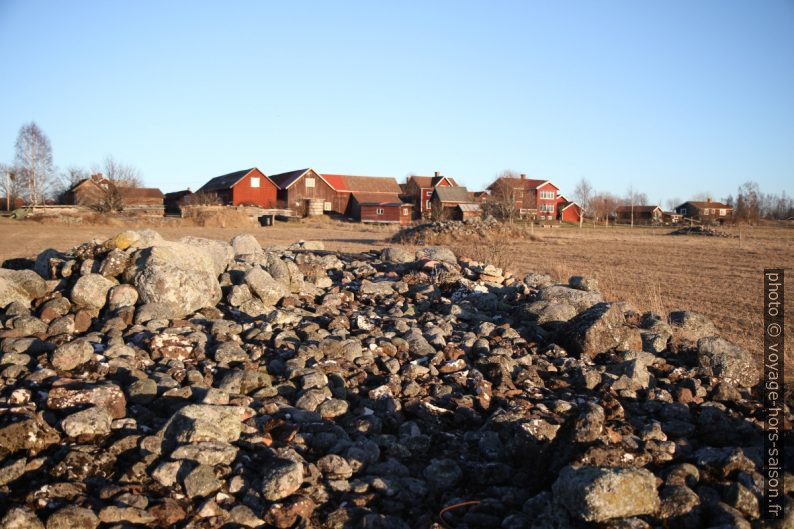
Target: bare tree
(673,203)
(583,193)
(68,179)
(634,198)
(501,203)
(10,185)
(701,196)
(121,174)
(34,162)
(202,199)
(604,205)
(748,203)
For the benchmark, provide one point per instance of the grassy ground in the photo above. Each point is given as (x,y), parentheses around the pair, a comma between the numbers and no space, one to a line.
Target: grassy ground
(719,277)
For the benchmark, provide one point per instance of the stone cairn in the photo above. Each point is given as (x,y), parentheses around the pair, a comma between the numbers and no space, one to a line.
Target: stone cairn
(151,383)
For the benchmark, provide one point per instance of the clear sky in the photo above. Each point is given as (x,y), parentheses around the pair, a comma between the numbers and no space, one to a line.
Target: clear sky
(673,97)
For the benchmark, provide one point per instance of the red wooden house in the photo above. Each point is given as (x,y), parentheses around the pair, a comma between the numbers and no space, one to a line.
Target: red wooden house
(568,211)
(533,198)
(421,188)
(298,187)
(249,187)
(381,191)
(379,208)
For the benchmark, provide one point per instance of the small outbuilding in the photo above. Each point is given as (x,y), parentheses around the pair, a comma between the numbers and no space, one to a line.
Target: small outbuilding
(381,208)
(569,211)
(445,201)
(639,214)
(467,211)
(248,187)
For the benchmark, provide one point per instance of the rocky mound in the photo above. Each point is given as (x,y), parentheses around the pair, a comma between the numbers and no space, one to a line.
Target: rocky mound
(149,383)
(701,230)
(422,233)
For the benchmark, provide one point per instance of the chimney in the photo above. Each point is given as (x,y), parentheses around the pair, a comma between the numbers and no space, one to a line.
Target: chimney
(438,173)
(708,199)
(523,176)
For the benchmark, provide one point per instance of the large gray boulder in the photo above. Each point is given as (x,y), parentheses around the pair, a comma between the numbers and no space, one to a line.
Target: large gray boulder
(261,283)
(581,300)
(599,329)
(197,423)
(179,276)
(245,244)
(221,253)
(720,358)
(21,286)
(91,291)
(595,494)
(436,253)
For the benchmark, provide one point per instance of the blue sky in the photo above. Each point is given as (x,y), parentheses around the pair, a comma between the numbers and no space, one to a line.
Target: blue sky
(674,98)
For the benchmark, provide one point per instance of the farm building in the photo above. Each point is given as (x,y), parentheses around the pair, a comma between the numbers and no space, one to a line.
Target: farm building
(640,214)
(379,208)
(708,211)
(11,203)
(671,217)
(94,190)
(420,189)
(299,188)
(533,198)
(346,185)
(467,211)
(568,211)
(175,200)
(249,187)
(446,199)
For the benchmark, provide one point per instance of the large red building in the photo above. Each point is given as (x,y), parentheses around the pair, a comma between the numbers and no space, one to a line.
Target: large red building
(533,198)
(421,188)
(249,187)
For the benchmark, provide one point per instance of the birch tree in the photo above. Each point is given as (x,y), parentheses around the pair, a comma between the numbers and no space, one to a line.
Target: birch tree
(34,163)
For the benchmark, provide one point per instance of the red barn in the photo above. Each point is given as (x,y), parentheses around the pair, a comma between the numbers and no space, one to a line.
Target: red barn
(379,208)
(533,198)
(249,187)
(372,187)
(421,188)
(298,187)
(569,211)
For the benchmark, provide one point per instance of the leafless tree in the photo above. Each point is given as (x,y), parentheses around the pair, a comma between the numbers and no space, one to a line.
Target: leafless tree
(202,199)
(501,203)
(701,196)
(34,162)
(110,199)
(604,205)
(673,203)
(583,193)
(68,179)
(634,198)
(9,186)
(748,203)
(121,174)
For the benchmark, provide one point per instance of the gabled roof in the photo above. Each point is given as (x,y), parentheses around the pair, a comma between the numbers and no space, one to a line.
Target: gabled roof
(565,205)
(285,180)
(469,207)
(458,194)
(432,181)
(522,183)
(363,184)
(377,199)
(637,209)
(226,181)
(707,204)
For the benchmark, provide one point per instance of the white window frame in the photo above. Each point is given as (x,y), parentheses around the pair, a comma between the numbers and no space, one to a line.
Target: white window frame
(310,181)
(379,211)
(427,205)
(723,212)
(254,181)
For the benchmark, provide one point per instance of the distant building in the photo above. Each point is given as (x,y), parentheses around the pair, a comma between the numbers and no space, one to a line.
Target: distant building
(420,189)
(707,211)
(92,191)
(296,188)
(446,199)
(381,208)
(533,198)
(371,189)
(249,187)
(175,200)
(643,214)
(671,217)
(568,211)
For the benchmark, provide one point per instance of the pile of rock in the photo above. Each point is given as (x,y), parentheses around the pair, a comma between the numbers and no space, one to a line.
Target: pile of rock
(422,233)
(149,383)
(702,230)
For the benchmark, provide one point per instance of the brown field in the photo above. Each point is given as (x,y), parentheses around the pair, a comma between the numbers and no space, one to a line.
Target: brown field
(719,277)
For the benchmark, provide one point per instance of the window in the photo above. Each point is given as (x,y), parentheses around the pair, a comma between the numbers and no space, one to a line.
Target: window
(254,181)
(326,206)
(309,182)
(547,195)
(723,212)
(379,211)
(427,205)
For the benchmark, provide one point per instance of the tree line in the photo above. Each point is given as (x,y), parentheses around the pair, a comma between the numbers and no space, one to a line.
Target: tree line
(33,178)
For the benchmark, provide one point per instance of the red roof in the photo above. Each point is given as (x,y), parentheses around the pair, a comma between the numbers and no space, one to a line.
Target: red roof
(364,184)
(432,181)
(526,183)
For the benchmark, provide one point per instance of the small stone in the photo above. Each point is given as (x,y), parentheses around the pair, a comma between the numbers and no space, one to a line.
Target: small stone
(72,355)
(72,517)
(89,423)
(281,479)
